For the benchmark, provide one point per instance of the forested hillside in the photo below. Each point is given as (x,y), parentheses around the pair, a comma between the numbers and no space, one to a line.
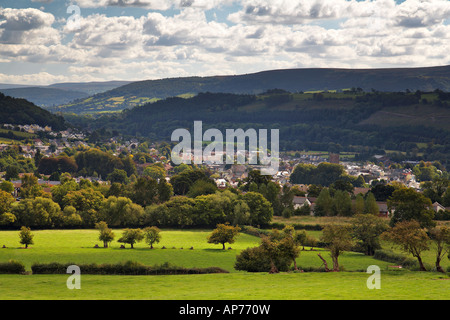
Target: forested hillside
(21,111)
(293,80)
(354,121)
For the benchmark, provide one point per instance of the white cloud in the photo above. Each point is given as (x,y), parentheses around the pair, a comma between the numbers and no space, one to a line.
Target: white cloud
(261,35)
(161,5)
(29,26)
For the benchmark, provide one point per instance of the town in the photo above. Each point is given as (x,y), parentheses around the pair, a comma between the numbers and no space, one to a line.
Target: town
(147,155)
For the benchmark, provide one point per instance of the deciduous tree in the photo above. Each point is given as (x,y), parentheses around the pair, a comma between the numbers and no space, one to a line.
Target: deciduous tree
(338,239)
(410,237)
(152,235)
(131,236)
(26,237)
(106,234)
(224,233)
(440,237)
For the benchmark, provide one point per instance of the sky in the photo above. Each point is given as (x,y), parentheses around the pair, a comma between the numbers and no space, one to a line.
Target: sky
(51,41)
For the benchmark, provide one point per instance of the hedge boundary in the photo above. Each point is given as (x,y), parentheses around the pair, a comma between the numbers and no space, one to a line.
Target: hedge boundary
(12,267)
(123,268)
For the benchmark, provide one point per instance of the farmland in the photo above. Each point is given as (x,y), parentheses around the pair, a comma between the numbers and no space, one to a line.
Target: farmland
(189,248)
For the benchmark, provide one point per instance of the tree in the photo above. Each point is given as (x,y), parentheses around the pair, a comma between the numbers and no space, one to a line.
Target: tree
(338,239)
(6,200)
(118,175)
(26,237)
(121,211)
(410,237)
(270,248)
(411,205)
(342,204)
(440,237)
(165,190)
(287,198)
(131,236)
(12,172)
(106,234)
(382,192)
(289,244)
(155,171)
(201,187)
(30,187)
(370,204)
(446,198)
(152,235)
(224,233)
(324,203)
(39,212)
(144,191)
(367,228)
(241,213)
(87,201)
(359,204)
(7,186)
(261,211)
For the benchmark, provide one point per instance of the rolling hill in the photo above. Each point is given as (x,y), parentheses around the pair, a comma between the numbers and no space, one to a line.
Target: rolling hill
(293,80)
(21,111)
(351,121)
(58,93)
(44,97)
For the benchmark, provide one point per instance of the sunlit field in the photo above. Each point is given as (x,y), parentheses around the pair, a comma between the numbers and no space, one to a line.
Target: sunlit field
(189,248)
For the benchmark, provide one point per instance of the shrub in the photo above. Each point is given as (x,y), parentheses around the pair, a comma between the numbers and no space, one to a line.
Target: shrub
(12,267)
(298,226)
(123,268)
(254,231)
(389,256)
(254,260)
(310,269)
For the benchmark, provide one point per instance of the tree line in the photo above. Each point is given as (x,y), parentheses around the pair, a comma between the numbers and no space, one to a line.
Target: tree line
(143,202)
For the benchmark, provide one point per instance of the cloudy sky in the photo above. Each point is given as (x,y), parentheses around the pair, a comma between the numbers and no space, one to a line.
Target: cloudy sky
(49,41)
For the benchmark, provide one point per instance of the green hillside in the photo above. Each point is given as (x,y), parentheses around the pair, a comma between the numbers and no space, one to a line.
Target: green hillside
(21,111)
(45,97)
(293,80)
(353,121)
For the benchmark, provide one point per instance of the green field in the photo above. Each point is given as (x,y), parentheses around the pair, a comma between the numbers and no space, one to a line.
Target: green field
(77,246)
(395,285)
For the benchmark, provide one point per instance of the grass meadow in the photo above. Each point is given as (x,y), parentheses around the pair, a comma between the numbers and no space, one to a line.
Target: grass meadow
(77,246)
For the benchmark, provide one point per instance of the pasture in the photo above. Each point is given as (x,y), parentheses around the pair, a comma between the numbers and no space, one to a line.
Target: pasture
(77,246)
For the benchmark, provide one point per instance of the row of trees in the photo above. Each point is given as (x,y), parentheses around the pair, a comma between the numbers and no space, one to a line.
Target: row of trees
(280,249)
(339,203)
(144,202)
(224,233)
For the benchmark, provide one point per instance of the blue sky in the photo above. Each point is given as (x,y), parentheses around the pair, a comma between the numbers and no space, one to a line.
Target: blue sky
(153,39)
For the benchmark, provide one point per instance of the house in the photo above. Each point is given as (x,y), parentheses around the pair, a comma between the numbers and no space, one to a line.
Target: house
(221,183)
(300,202)
(438,207)
(383,209)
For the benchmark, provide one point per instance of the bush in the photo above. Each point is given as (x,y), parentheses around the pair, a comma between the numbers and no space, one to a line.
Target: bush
(309,269)
(12,267)
(254,231)
(254,260)
(298,226)
(123,268)
(399,259)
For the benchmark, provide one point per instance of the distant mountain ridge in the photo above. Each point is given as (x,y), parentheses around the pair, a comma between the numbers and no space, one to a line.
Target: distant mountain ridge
(293,80)
(58,93)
